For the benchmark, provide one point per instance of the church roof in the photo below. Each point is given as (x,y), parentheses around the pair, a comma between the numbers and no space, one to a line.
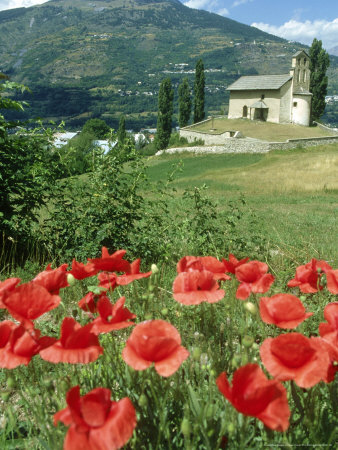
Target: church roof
(299,53)
(259,105)
(259,82)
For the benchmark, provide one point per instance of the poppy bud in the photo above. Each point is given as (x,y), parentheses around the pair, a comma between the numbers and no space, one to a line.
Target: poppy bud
(164,311)
(143,401)
(5,395)
(11,382)
(196,354)
(302,298)
(185,427)
(154,269)
(248,341)
(249,306)
(231,428)
(71,279)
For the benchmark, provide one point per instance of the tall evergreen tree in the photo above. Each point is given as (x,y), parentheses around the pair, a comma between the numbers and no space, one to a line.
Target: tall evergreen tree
(199,86)
(121,132)
(319,63)
(165,112)
(184,103)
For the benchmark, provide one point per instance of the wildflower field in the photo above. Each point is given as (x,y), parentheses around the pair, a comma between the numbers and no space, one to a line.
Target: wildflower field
(229,341)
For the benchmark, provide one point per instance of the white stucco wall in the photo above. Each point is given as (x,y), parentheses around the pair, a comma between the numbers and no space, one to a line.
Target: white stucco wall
(238,99)
(285,103)
(301,112)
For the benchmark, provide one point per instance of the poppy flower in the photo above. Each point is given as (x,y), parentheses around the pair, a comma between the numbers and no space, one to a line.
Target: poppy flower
(111,263)
(330,340)
(295,357)
(283,310)
(331,316)
(155,341)
(209,263)
(77,345)
(81,271)
(88,303)
(95,421)
(107,280)
(6,287)
(232,264)
(195,287)
(308,276)
(18,346)
(53,279)
(30,301)
(253,277)
(332,281)
(132,274)
(253,394)
(112,317)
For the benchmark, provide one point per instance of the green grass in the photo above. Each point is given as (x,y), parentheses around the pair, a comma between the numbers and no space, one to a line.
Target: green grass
(266,131)
(292,193)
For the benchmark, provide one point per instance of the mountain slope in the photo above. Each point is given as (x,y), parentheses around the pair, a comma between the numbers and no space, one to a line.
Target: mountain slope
(102,58)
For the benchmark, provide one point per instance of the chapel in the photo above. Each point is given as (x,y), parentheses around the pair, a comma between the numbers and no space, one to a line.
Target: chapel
(274,98)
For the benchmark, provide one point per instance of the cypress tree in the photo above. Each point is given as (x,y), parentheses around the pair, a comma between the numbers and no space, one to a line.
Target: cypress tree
(184,103)
(319,63)
(165,112)
(199,113)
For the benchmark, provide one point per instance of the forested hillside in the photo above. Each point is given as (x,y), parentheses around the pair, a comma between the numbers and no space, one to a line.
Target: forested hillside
(100,59)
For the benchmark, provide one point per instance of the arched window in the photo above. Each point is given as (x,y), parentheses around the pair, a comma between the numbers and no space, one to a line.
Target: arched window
(245,111)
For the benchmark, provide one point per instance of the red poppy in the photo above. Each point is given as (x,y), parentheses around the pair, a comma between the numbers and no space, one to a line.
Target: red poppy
(111,263)
(53,279)
(96,422)
(6,287)
(195,287)
(81,271)
(254,278)
(295,357)
(107,280)
(30,301)
(155,341)
(133,274)
(112,317)
(232,264)
(308,276)
(253,394)
(209,263)
(332,281)
(331,316)
(330,340)
(89,302)
(77,345)
(18,346)
(283,310)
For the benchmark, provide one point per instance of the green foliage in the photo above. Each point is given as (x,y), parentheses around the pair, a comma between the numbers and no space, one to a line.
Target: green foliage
(97,128)
(319,63)
(165,112)
(121,132)
(184,103)
(199,86)
(27,172)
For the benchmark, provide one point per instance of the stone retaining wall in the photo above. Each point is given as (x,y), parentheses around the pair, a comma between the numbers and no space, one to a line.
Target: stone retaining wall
(234,145)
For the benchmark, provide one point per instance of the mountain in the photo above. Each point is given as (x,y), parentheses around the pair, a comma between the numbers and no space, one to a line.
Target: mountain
(333,51)
(102,58)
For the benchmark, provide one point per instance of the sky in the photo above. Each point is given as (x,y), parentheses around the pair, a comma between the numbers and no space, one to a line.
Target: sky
(296,20)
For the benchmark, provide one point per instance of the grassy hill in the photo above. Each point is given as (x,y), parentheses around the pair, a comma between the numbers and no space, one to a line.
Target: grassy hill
(292,194)
(105,58)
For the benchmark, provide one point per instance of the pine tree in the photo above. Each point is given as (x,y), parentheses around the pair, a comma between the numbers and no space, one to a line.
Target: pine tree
(319,63)
(184,103)
(165,112)
(121,132)
(199,113)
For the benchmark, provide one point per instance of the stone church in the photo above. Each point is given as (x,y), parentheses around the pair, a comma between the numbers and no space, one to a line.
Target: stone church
(274,98)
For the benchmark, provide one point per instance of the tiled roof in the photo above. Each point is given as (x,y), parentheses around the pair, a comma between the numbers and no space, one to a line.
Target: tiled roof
(259,82)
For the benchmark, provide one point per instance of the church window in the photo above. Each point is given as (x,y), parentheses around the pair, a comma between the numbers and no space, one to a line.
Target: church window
(294,104)
(262,97)
(245,111)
